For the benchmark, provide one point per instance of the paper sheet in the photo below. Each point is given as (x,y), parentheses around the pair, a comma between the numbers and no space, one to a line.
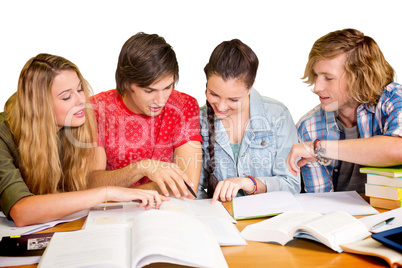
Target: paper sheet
(348,201)
(8,228)
(370,221)
(273,203)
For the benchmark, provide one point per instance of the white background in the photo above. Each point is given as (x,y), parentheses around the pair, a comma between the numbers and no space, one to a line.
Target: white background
(91,33)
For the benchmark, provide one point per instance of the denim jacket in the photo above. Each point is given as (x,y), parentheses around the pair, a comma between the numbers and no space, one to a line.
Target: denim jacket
(269,136)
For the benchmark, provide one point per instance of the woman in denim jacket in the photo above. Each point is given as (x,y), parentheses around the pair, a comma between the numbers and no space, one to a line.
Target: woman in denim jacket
(246,137)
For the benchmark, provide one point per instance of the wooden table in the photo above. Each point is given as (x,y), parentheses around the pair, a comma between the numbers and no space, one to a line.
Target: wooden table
(297,253)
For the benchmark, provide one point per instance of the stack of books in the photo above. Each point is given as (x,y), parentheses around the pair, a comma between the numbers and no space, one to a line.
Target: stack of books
(384,186)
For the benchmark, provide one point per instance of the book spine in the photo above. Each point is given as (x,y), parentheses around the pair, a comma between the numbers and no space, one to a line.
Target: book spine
(383,180)
(385,203)
(394,193)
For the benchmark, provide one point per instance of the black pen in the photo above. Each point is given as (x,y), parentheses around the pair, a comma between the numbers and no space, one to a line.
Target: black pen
(382,223)
(191,190)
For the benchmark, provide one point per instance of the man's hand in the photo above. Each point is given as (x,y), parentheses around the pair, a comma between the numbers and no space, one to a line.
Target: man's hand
(304,150)
(166,174)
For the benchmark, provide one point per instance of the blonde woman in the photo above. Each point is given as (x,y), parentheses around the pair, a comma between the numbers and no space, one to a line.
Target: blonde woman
(46,140)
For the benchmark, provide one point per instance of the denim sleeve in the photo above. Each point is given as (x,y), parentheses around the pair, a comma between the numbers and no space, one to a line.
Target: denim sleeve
(282,179)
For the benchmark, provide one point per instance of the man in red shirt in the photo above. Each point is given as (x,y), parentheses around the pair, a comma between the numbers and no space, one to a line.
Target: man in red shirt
(149,133)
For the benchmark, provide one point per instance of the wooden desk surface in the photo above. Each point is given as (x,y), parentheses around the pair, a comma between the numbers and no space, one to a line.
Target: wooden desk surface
(297,253)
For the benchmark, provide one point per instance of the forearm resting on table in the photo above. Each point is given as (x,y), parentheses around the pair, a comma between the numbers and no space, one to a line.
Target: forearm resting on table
(44,208)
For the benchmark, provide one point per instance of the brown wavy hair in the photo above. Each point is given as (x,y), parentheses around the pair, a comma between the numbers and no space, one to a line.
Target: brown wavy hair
(230,60)
(144,59)
(367,71)
(51,160)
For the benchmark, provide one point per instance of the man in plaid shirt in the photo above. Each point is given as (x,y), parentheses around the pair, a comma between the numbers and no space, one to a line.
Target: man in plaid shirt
(359,120)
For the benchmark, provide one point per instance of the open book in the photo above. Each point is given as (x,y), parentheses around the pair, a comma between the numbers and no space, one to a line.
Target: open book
(331,229)
(155,237)
(273,203)
(374,248)
(215,216)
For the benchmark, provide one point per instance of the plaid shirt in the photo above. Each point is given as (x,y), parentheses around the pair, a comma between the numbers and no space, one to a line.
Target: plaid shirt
(383,119)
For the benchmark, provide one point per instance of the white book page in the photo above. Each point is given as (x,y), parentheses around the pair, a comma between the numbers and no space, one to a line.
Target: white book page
(214,215)
(278,229)
(8,228)
(372,220)
(115,213)
(348,201)
(161,236)
(16,261)
(224,230)
(265,204)
(95,247)
(372,247)
(335,228)
(197,208)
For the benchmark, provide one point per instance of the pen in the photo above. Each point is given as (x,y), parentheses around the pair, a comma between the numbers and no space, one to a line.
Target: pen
(382,223)
(191,190)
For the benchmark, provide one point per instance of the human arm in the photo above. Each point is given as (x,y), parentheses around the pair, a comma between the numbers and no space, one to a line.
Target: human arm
(19,204)
(374,151)
(160,173)
(227,189)
(188,158)
(43,208)
(380,129)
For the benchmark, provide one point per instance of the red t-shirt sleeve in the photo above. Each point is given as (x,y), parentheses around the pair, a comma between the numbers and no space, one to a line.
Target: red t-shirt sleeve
(99,120)
(189,125)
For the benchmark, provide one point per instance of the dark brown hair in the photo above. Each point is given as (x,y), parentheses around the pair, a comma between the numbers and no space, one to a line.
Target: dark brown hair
(145,59)
(230,60)
(367,71)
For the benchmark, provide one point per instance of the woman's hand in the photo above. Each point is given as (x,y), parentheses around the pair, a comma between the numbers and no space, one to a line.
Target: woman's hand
(146,198)
(227,189)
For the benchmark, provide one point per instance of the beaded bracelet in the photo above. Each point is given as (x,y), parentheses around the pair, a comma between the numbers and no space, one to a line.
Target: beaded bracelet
(255,184)
(319,151)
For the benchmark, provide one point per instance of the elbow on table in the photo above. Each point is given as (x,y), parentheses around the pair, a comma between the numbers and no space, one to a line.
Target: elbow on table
(19,215)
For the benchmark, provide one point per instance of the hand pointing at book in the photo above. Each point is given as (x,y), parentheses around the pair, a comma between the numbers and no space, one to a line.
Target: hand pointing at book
(146,198)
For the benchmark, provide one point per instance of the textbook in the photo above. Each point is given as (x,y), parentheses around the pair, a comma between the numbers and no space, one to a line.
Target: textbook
(374,248)
(395,171)
(215,216)
(387,192)
(332,229)
(155,236)
(23,250)
(384,180)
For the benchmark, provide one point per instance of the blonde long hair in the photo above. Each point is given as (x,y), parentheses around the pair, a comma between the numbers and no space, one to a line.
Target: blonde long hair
(366,68)
(51,160)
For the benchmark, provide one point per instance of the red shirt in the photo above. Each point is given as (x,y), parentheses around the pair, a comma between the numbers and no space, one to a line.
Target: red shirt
(129,137)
